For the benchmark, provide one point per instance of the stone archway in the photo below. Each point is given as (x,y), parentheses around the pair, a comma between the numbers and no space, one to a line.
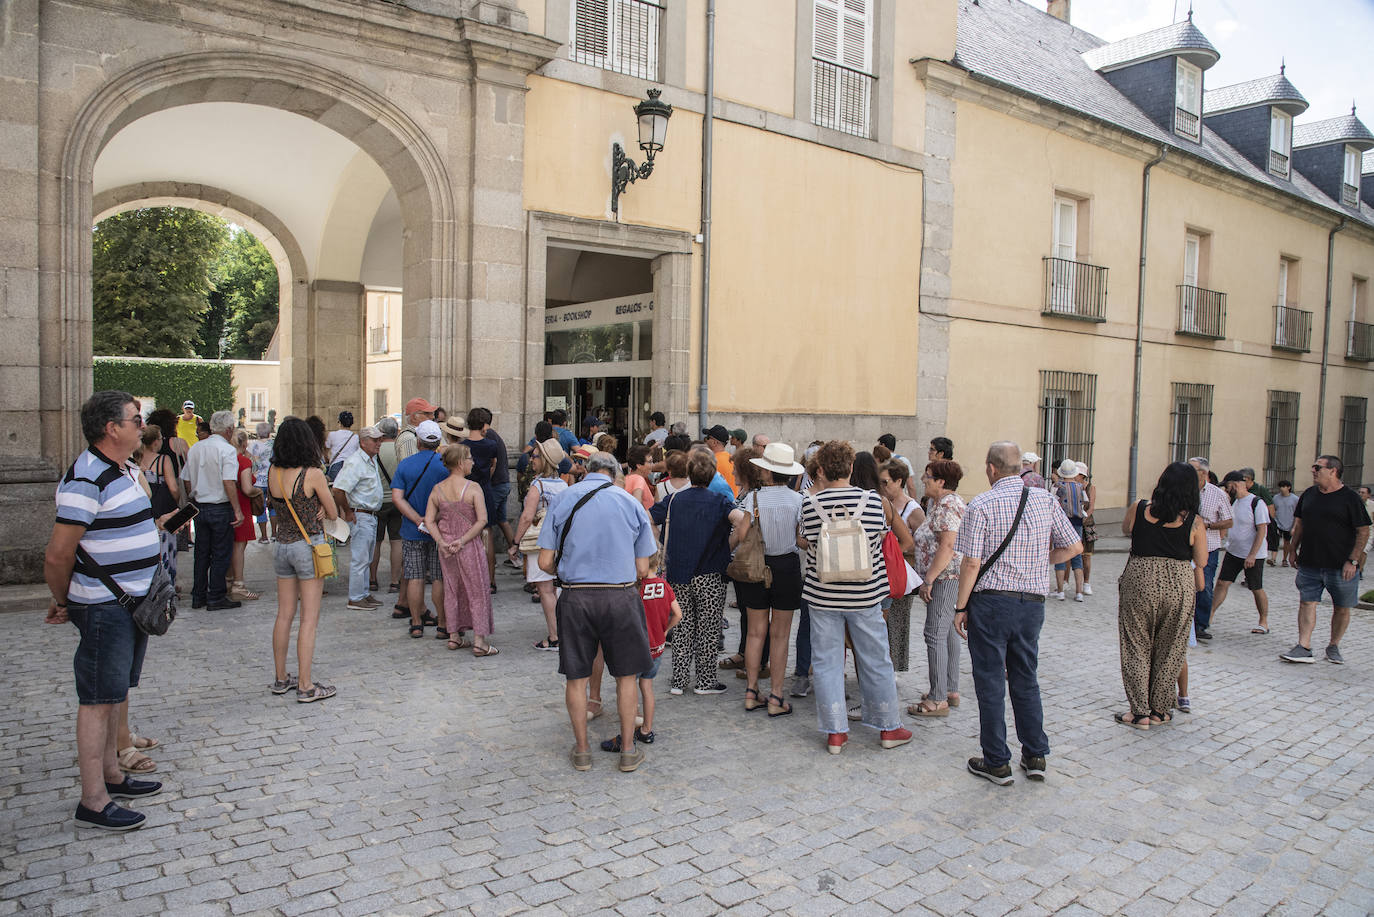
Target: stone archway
(380,128)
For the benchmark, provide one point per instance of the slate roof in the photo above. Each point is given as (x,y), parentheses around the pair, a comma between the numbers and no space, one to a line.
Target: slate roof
(1178,38)
(1346,128)
(1267,90)
(1014,45)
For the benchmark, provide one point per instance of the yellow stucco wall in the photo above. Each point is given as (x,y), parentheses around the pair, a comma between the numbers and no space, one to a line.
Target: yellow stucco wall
(753,64)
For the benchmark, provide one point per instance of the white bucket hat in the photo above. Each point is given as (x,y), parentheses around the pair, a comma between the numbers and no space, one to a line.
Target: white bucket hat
(1068,468)
(1029,458)
(1081,468)
(779,459)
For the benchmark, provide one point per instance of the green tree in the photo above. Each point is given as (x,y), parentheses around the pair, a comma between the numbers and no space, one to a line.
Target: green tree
(150,278)
(246,277)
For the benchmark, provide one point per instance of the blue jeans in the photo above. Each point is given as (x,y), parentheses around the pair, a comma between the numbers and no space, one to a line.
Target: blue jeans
(1004,636)
(363,535)
(872,660)
(1202,610)
(804,640)
(214,551)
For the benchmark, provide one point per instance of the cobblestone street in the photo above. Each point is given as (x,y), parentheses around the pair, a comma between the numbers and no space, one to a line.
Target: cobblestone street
(437,782)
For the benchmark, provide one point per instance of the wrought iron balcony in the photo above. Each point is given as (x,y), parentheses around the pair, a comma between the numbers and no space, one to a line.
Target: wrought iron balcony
(1359,338)
(376,339)
(841,98)
(1278,163)
(1292,329)
(1185,123)
(1074,289)
(1201,313)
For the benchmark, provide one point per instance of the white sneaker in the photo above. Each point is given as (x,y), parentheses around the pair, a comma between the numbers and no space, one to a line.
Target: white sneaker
(1058,595)
(1087,589)
(1078,597)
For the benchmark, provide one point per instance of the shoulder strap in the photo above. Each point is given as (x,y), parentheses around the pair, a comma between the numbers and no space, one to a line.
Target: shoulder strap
(419,477)
(820,510)
(1015,524)
(567,526)
(125,600)
(286,498)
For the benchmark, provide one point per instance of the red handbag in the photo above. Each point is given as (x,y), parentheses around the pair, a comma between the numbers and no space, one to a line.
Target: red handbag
(896,566)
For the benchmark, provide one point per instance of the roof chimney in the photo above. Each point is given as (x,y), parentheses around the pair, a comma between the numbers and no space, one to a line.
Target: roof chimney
(1059,9)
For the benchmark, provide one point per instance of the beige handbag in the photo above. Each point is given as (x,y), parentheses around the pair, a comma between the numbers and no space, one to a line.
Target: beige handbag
(748,565)
(842,551)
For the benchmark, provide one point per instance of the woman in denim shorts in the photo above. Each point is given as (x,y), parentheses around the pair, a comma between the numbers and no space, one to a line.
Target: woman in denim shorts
(296,472)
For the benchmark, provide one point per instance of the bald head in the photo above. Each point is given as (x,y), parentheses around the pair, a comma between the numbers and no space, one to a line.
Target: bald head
(1005,458)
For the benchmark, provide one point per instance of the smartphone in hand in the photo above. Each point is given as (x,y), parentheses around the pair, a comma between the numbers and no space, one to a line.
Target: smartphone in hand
(181,517)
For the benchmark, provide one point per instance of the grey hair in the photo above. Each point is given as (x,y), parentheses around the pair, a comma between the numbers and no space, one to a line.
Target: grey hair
(679,427)
(1005,456)
(604,463)
(1200,462)
(221,421)
(100,409)
(1248,472)
(388,427)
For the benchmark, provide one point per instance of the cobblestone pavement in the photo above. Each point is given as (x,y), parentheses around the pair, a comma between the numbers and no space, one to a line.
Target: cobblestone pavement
(437,782)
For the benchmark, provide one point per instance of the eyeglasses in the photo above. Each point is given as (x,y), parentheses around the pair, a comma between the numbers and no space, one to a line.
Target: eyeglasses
(136,420)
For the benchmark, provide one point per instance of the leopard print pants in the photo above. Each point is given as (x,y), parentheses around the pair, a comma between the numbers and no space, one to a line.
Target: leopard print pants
(1155,613)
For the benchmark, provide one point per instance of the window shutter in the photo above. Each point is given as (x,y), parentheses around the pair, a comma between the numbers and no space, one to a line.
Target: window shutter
(827,31)
(1191,246)
(1283,282)
(1065,229)
(856,34)
(591,27)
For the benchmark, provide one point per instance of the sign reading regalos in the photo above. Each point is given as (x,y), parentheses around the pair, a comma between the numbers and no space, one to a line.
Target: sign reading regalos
(603,312)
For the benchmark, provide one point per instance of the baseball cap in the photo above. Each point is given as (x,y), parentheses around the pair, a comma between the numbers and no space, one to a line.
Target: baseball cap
(740,435)
(372,432)
(718,433)
(1232,476)
(428,431)
(189,404)
(419,404)
(591,420)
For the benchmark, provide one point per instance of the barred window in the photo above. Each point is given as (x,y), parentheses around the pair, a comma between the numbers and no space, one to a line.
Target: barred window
(1351,445)
(1068,404)
(1281,437)
(379,403)
(617,35)
(1191,421)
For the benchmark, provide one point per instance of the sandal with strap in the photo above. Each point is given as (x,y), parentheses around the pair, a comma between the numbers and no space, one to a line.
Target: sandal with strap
(777,706)
(417,631)
(1132,720)
(751,699)
(142,743)
(133,761)
(482,651)
(732,662)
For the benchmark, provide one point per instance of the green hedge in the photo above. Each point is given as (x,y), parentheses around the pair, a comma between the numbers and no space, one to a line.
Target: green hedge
(208,383)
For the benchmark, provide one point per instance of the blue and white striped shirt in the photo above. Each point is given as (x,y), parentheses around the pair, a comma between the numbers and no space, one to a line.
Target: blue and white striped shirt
(109,502)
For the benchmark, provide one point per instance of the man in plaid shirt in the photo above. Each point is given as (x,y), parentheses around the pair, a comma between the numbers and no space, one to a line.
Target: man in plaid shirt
(1215,510)
(1000,614)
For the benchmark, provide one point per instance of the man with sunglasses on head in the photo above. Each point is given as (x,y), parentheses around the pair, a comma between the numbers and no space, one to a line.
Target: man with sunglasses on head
(212,468)
(1330,529)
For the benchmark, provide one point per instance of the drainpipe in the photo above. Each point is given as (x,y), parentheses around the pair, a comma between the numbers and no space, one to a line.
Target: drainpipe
(706,146)
(1133,472)
(1326,327)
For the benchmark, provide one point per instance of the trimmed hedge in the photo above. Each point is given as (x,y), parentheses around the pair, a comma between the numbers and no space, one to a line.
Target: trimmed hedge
(208,383)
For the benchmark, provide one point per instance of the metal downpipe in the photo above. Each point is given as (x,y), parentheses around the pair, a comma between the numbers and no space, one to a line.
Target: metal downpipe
(1326,327)
(706,150)
(1134,470)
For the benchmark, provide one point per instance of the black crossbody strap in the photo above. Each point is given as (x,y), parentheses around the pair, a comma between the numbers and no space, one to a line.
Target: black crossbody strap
(1015,524)
(416,483)
(567,526)
(123,598)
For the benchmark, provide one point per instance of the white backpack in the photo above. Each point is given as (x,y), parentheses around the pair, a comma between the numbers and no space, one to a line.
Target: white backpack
(842,551)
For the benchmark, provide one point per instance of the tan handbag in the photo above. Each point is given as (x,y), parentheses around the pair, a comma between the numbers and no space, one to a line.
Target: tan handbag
(529,542)
(842,551)
(322,553)
(748,565)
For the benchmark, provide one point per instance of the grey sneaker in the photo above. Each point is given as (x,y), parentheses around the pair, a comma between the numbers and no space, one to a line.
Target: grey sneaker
(1034,766)
(1298,653)
(281,687)
(998,775)
(856,712)
(801,686)
(1333,654)
(317,692)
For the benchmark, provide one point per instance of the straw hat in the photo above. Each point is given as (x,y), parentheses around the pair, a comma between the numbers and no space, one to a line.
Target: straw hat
(453,426)
(779,459)
(552,453)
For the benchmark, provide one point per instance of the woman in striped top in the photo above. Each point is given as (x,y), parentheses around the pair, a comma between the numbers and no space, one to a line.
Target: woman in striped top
(856,607)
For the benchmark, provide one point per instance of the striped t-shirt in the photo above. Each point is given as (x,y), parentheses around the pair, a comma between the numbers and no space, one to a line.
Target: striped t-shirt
(109,502)
(837,501)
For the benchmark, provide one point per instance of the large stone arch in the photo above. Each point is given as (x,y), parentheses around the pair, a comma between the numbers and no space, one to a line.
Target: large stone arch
(407,156)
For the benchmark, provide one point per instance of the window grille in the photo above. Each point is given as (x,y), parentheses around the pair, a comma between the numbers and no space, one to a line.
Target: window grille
(1351,444)
(1281,437)
(617,35)
(841,79)
(1068,404)
(1191,421)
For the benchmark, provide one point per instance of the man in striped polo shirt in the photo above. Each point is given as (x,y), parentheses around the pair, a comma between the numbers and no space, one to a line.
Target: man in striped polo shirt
(103,506)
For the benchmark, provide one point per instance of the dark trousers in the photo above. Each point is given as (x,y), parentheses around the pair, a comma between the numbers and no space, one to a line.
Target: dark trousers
(1004,636)
(214,551)
(804,640)
(1202,609)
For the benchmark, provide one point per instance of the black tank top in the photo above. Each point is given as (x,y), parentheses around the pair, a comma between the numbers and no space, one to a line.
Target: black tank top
(1152,539)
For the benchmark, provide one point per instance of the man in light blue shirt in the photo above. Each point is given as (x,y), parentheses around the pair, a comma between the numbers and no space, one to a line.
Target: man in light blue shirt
(598,540)
(357,491)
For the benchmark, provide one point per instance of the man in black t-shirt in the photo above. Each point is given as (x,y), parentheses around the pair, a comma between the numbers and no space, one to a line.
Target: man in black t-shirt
(1330,528)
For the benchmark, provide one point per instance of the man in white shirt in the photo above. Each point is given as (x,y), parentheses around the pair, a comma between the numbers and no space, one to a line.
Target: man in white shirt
(1246,548)
(357,492)
(212,472)
(659,433)
(1215,511)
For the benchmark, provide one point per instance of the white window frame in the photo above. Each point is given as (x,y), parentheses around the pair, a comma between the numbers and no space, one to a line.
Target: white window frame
(1185,100)
(842,33)
(1192,258)
(1065,247)
(257,413)
(620,55)
(1281,140)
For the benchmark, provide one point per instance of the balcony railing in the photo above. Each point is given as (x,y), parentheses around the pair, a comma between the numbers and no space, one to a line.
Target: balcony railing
(1292,329)
(1359,338)
(1201,313)
(1278,163)
(376,339)
(1350,195)
(1185,123)
(841,98)
(1075,290)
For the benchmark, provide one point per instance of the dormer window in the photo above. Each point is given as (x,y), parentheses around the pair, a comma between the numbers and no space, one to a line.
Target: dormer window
(1188,100)
(1280,141)
(1350,179)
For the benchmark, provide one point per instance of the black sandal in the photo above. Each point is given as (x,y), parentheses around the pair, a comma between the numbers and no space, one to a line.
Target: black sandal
(400,611)
(751,699)
(1160,719)
(782,706)
(417,631)
(440,634)
(428,620)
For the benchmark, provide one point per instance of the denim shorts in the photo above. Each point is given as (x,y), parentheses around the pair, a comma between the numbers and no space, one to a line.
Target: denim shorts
(496,496)
(649,673)
(109,657)
(296,559)
(1312,580)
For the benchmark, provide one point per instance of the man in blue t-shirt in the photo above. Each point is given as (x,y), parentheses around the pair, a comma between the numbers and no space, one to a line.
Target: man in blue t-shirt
(566,438)
(415,477)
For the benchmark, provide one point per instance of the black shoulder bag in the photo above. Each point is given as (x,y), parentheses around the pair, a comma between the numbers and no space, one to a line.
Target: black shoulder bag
(1015,524)
(567,527)
(153,613)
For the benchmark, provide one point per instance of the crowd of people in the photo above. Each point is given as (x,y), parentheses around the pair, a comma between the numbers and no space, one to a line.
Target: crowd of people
(842,542)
